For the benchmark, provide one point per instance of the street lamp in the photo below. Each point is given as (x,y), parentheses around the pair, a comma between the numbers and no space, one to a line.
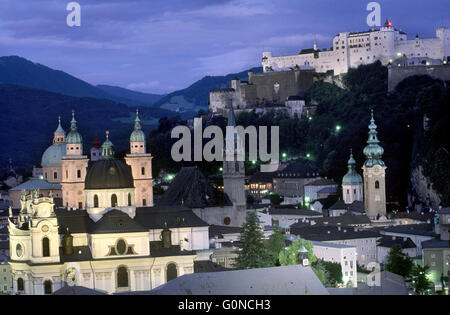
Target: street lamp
(338,128)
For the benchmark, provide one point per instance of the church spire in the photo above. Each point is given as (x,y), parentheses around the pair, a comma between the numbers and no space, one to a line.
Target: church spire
(59,136)
(74,137)
(373,151)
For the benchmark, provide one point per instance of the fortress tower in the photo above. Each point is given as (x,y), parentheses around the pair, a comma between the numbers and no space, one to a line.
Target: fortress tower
(374,175)
(74,167)
(141,165)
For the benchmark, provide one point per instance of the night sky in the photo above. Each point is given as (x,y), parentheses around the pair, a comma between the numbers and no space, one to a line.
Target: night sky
(158,46)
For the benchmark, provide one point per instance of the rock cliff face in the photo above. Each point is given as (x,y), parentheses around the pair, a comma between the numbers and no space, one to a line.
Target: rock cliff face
(422,193)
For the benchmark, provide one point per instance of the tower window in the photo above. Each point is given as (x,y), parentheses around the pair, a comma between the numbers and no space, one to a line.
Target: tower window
(67,174)
(78,173)
(129,200)
(348,191)
(95,201)
(45,247)
(377,185)
(114,200)
(55,175)
(47,287)
(172,272)
(144,202)
(80,205)
(20,285)
(143,171)
(122,277)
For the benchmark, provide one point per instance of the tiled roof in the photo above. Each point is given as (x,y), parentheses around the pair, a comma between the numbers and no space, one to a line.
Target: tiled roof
(294,211)
(322,182)
(343,220)
(390,241)
(36,184)
(157,250)
(412,229)
(331,233)
(436,243)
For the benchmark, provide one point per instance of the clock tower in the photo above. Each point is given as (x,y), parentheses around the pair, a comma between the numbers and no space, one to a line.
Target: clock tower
(374,175)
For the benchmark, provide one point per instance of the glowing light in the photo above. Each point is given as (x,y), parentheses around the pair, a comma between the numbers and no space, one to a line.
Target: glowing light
(221,169)
(170,177)
(399,54)
(308,155)
(338,128)
(284,155)
(253,162)
(310,118)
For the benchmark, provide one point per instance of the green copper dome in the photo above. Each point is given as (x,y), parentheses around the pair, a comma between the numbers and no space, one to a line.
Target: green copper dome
(137,135)
(373,151)
(74,137)
(107,148)
(352,178)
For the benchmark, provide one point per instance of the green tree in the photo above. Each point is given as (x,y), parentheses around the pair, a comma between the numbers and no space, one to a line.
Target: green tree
(252,252)
(334,272)
(398,262)
(250,200)
(419,279)
(276,199)
(275,245)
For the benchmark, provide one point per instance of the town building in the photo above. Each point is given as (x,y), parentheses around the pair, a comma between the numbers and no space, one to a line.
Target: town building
(386,243)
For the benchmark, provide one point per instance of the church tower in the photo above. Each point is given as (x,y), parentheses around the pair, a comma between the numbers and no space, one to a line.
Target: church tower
(141,166)
(96,150)
(74,167)
(374,175)
(234,171)
(352,183)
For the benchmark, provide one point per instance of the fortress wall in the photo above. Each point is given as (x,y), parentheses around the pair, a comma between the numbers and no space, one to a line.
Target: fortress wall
(398,74)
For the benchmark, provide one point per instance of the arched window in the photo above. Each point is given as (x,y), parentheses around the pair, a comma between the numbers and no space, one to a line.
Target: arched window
(129,200)
(78,173)
(45,247)
(55,175)
(20,285)
(95,201)
(143,171)
(114,200)
(172,272)
(47,287)
(377,185)
(122,277)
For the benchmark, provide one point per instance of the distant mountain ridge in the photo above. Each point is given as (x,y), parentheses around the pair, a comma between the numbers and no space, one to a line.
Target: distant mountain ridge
(196,96)
(131,96)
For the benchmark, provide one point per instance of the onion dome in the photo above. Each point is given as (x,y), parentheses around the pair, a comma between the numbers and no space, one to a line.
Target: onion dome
(74,137)
(137,135)
(352,178)
(109,174)
(107,148)
(373,151)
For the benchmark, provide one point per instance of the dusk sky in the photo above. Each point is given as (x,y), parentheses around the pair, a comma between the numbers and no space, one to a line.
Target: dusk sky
(159,46)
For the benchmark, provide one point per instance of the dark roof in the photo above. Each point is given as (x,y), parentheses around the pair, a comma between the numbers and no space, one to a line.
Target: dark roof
(415,215)
(356,206)
(327,202)
(155,218)
(343,220)
(157,250)
(322,182)
(191,188)
(413,229)
(146,218)
(109,174)
(116,221)
(331,233)
(307,51)
(77,290)
(435,243)
(294,211)
(390,241)
(262,177)
(220,230)
(296,98)
(80,253)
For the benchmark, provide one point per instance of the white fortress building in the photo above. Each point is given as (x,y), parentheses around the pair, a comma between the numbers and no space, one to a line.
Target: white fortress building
(351,49)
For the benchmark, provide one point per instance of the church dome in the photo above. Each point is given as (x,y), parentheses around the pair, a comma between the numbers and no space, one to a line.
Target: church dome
(137,135)
(53,155)
(74,137)
(352,178)
(109,174)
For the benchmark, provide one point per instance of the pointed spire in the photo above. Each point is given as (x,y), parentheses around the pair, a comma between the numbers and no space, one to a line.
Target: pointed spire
(73,122)
(137,121)
(107,147)
(373,151)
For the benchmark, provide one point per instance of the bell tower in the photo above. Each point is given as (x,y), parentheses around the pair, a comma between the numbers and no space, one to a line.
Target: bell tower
(74,168)
(141,166)
(374,175)
(234,171)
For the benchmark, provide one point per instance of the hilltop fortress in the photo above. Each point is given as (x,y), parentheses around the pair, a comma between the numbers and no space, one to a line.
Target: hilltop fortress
(284,80)
(352,49)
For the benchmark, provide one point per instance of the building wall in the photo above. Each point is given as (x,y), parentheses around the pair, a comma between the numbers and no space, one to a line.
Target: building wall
(217,215)
(351,193)
(141,168)
(72,185)
(291,186)
(366,249)
(49,172)
(438,259)
(5,278)
(345,256)
(374,198)
(398,74)
(383,253)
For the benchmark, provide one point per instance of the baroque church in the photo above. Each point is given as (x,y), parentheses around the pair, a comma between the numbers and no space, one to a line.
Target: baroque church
(107,234)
